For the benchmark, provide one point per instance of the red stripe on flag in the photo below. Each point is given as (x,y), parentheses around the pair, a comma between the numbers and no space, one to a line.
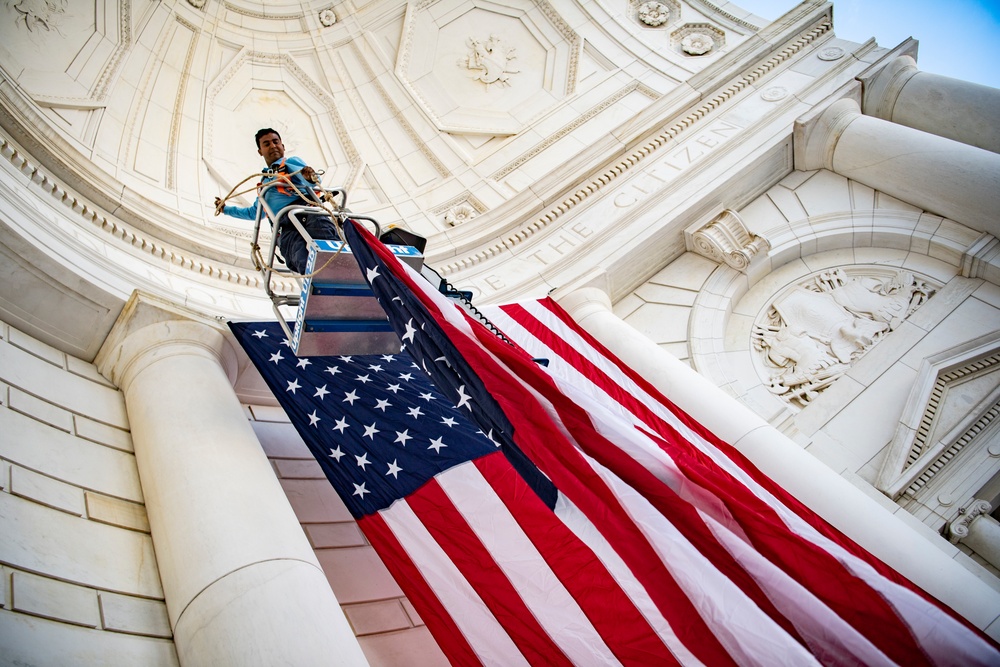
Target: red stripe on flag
(457,539)
(434,615)
(615,617)
(812,566)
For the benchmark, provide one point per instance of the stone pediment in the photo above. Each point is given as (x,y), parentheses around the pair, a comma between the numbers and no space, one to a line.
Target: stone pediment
(486,67)
(949,424)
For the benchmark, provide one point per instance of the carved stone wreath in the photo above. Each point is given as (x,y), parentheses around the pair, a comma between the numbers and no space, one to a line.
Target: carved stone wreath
(812,333)
(45,15)
(698,39)
(654,14)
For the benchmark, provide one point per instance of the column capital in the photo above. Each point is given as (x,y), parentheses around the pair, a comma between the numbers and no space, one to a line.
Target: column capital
(881,89)
(816,133)
(150,329)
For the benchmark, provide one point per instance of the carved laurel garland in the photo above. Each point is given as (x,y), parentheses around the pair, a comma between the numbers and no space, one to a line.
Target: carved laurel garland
(813,332)
(122,232)
(640,154)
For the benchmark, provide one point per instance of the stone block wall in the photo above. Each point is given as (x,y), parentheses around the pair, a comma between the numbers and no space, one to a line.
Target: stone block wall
(388,628)
(79,583)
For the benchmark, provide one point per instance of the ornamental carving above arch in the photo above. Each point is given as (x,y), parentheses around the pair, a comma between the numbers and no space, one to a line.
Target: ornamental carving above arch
(816,330)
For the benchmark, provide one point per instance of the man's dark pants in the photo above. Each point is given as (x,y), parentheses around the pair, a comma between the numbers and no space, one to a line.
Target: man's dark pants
(291,244)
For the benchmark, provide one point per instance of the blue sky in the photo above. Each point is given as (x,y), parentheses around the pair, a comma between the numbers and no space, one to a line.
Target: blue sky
(960,39)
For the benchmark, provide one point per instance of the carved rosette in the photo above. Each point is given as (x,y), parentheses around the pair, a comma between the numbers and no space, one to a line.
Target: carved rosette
(698,39)
(815,331)
(727,240)
(459,214)
(327,17)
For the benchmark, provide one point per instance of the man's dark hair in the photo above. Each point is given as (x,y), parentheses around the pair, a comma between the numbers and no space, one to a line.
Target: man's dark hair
(261,132)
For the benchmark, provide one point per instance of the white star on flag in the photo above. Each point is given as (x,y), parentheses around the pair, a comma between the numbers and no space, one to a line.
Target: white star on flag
(360,490)
(341,424)
(336,454)
(350,397)
(363,460)
(293,385)
(415,412)
(408,335)
(259,334)
(463,398)
(402,437)
(313,418)
(302,363)
(382,404)
(436,445)
(394,469)
(370,431)
(276,357)
(428,396)
(372,274)
(320,392)
(332,370)
(448,421)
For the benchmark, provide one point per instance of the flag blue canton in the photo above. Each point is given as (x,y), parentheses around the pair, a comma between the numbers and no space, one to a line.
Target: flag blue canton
(375,423)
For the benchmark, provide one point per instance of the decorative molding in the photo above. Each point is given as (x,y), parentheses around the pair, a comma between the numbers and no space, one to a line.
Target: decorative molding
(815,331)
(729,17)
(120,232)
(638,155)
(565,130)
(113,63)
(422,145)
(178,110)
(261,15)
(920,450)
(726,239)
(831,53)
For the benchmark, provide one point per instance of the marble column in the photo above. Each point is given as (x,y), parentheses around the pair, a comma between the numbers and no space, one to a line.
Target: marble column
(940,175)
(838,501)
(950,108)
(241,582)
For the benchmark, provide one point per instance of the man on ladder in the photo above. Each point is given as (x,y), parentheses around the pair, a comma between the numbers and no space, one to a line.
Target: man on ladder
(294,186)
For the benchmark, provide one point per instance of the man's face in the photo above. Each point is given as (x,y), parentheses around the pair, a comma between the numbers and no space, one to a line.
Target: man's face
(271,148)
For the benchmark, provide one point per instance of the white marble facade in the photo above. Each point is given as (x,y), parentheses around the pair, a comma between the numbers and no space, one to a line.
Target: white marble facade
(708,172)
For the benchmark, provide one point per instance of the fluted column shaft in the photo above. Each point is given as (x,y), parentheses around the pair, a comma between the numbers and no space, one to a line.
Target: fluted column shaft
(834,498)
(940,175)
(241,582)
(959,110)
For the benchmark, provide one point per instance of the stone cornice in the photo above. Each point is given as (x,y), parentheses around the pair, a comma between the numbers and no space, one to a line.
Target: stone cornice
(646,148)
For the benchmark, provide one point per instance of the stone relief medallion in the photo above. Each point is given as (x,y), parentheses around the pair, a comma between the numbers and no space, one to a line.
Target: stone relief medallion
(698,39)
(813,332)
(327,18)
(197,4)
(38,14)
(774,93)
(654,14)
(831,53)
(490,61)
(456,215)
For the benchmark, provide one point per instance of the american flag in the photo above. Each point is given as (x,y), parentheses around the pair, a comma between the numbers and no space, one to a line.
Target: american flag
(583,519)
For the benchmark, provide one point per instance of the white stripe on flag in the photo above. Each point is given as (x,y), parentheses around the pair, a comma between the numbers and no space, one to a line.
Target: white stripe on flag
(542,592)
(582,527)
(481,629)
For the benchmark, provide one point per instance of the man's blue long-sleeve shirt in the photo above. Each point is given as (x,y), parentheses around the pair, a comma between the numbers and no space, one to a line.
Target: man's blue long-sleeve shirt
(277,196)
